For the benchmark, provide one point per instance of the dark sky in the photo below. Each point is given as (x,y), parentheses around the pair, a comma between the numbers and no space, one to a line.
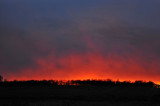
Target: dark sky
(80,39)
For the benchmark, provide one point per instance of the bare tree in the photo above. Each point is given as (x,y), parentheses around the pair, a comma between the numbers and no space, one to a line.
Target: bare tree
(1,78)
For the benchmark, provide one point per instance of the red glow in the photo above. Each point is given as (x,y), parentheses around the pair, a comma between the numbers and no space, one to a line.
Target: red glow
(88,66)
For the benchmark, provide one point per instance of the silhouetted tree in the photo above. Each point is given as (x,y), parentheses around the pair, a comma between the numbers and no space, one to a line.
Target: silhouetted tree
(1,78)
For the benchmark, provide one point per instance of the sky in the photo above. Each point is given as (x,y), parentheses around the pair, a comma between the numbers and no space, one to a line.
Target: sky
(80,39)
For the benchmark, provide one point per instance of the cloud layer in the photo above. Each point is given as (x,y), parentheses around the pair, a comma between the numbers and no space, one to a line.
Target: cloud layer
(78,40)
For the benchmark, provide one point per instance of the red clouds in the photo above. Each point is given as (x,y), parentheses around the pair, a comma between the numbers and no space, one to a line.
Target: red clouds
(89,66)
(80,40)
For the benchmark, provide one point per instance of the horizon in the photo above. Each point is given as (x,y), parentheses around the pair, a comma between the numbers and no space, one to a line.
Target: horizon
(64,82)
(131,81)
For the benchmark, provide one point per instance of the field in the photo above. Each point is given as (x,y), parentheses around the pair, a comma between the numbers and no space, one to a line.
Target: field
(79,96)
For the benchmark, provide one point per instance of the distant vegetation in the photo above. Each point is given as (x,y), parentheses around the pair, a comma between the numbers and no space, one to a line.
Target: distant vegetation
(107,83)
(101,92)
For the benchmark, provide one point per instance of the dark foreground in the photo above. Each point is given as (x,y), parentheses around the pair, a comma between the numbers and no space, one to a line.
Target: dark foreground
(79,96)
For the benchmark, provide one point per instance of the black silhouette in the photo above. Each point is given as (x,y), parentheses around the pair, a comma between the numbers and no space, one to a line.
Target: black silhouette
(49,83)
(81,90)
(1,78)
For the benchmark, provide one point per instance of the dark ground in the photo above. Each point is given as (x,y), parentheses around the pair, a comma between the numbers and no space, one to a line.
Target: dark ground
(79,96)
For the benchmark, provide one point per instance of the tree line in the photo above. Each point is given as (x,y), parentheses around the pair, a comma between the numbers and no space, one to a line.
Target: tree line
(88,82)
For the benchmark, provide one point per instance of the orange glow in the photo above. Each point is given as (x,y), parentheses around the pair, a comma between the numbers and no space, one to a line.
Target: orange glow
(88,66)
